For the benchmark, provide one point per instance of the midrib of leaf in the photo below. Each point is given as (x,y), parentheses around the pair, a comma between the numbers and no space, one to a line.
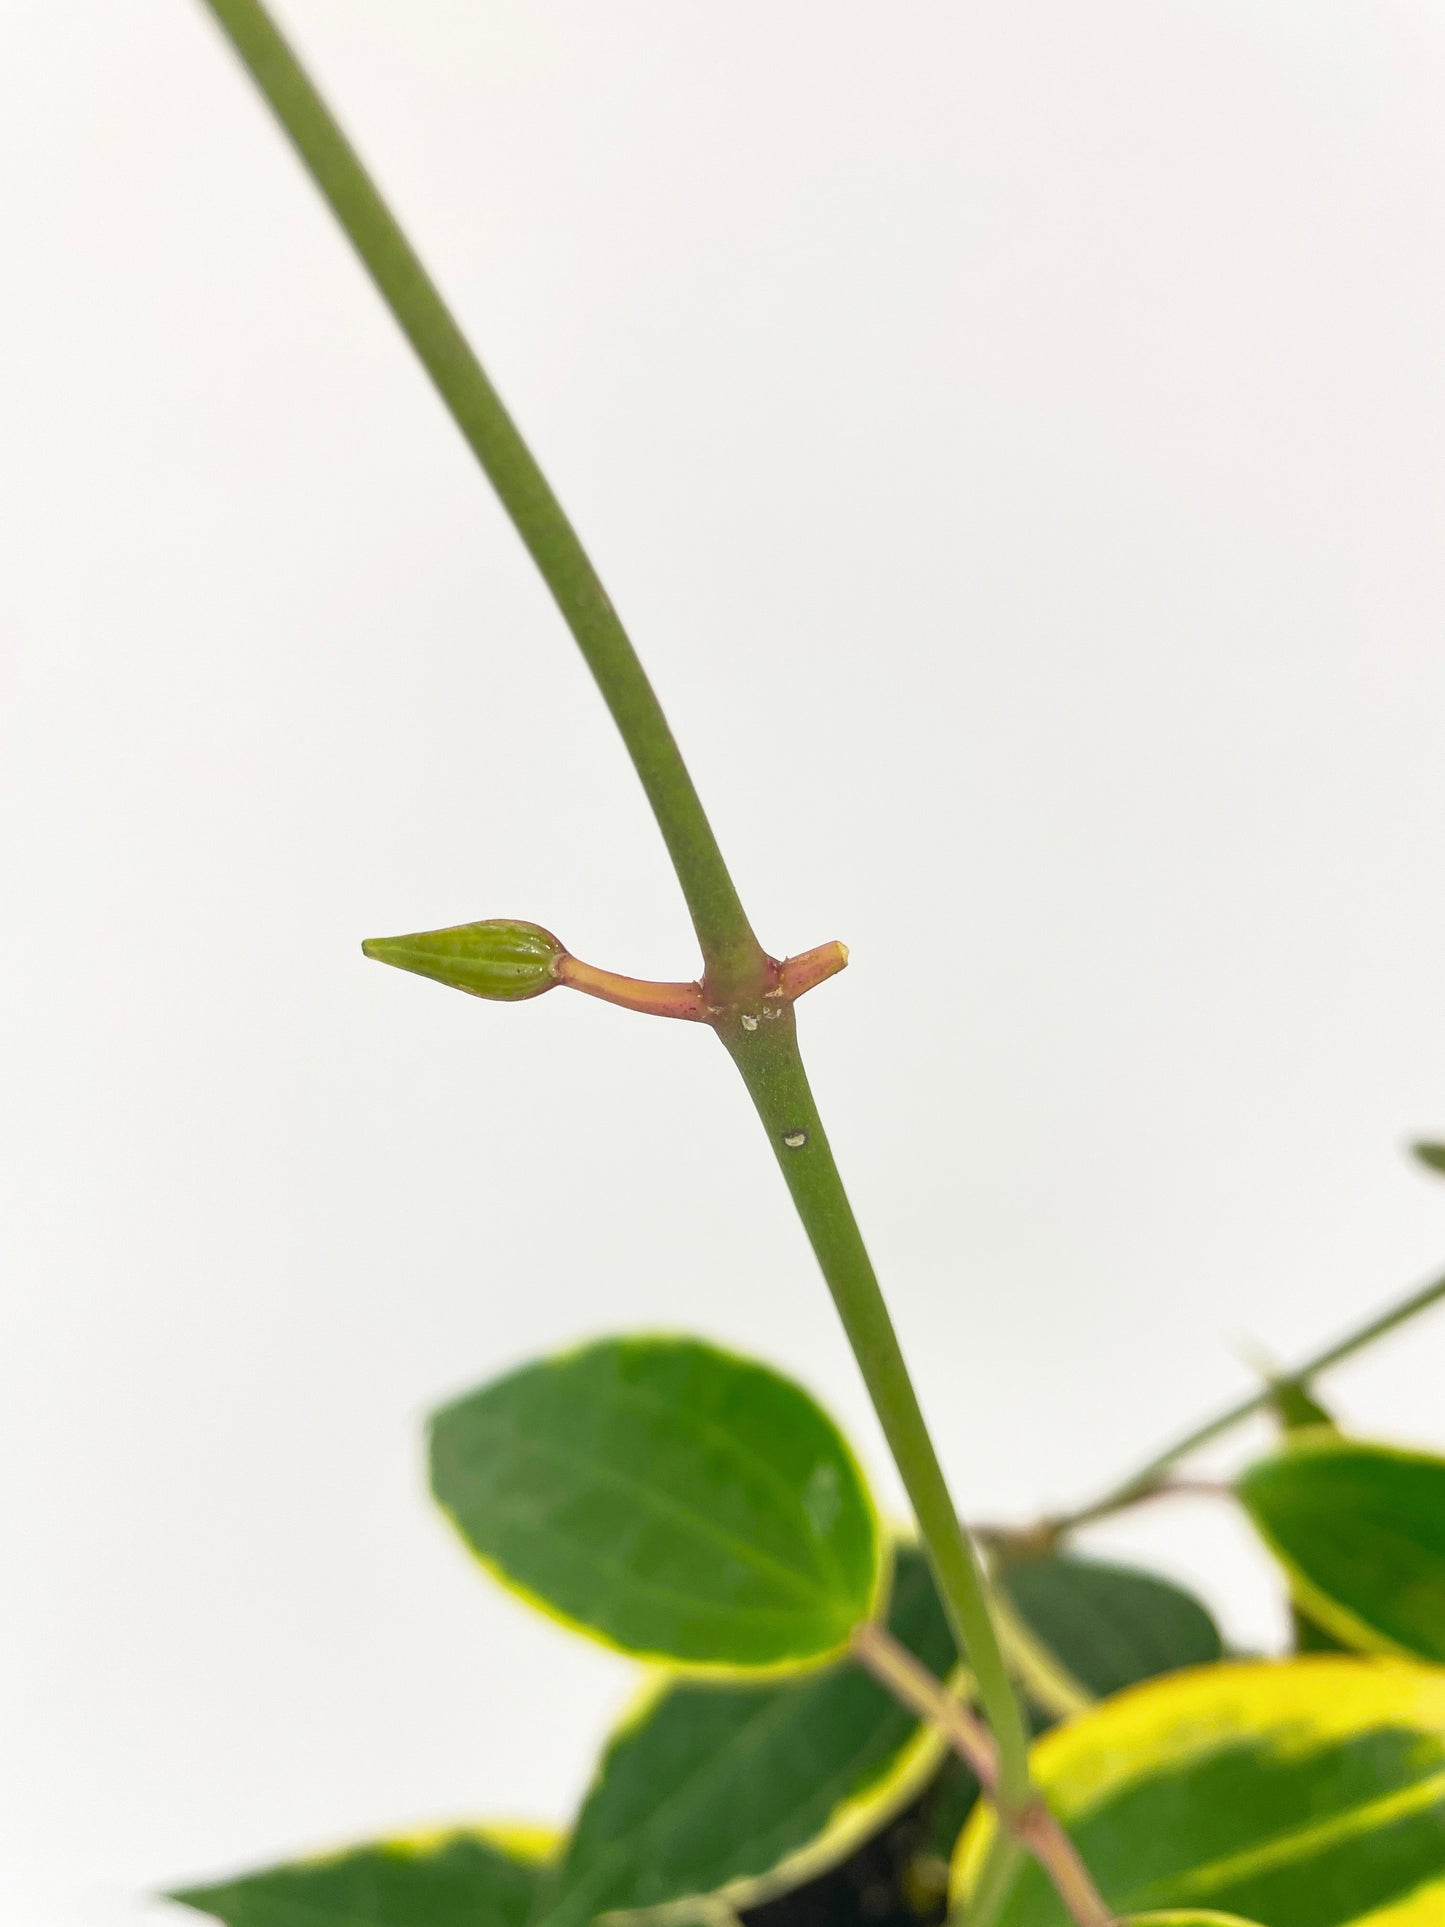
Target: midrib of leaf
(1289,1848)
(749,1455)
(670,1509)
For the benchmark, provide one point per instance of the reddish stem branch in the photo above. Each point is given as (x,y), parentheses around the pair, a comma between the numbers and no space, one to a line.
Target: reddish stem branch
(787,982)
(633,993)
(1032,1825)
(812,968)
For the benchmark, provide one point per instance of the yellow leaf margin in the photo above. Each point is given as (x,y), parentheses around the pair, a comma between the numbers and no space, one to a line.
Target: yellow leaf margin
(1294,1705)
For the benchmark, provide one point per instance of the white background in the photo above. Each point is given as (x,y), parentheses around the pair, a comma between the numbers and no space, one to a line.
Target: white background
(1015,434)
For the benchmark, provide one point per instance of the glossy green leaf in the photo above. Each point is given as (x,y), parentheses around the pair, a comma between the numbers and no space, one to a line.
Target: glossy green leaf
(672,1500)
(1111,1626)
(1360,1530)
(750,1789)
(459,1879)
(500,959)
(1302,1793)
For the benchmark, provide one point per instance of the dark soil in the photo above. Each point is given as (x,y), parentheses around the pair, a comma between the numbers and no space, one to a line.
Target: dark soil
(895,1880)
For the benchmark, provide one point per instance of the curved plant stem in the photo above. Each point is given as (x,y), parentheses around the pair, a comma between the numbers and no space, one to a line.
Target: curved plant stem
(732,951)
(737,972)
(1151,1480)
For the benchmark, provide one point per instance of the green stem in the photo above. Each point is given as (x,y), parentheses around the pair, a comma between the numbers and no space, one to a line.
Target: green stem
(732,953)
(996,1876)
(767,1056)
(736,968)
(1143,1483)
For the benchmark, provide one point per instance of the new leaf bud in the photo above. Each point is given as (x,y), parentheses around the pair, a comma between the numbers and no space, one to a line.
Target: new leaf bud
(501,958)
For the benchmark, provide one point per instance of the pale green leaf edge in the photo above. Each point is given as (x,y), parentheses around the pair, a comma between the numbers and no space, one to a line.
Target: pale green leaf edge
(529,1844)
(689,1669)
(852,1823)
(1186,1917)
(1134,1710)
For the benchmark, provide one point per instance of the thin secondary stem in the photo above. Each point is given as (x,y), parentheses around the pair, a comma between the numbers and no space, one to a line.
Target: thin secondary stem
(737,971)
(1148,1481)
(1032,1825)
(923,1693)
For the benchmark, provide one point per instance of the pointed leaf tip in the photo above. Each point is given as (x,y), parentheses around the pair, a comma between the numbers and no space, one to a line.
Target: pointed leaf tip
(500,958)
(1431,1155)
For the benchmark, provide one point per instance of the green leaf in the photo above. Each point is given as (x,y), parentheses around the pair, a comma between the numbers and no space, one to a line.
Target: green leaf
(748,1790)
(1304,1793)
(1432,1156)
(500,959)
(477,1878)
(1298,1411)
(672,1500)
(952,1799)
(1111,1625)
(1186,1917)
(1311,1637)
(1360,1530)
(1296,1406)
(1107,1626)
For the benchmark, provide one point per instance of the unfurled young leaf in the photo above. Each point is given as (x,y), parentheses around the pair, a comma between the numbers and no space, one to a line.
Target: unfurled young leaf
(1360,1532)
(673,1500)
(1300,1793)
(1295,1405)
(501,958)
(457,1879)
(751,1789)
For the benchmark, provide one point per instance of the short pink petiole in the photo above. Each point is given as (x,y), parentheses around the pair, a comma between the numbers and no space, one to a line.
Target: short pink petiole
(790,980)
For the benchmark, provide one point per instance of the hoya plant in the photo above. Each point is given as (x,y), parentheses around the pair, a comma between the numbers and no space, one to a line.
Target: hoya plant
(843,1719)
